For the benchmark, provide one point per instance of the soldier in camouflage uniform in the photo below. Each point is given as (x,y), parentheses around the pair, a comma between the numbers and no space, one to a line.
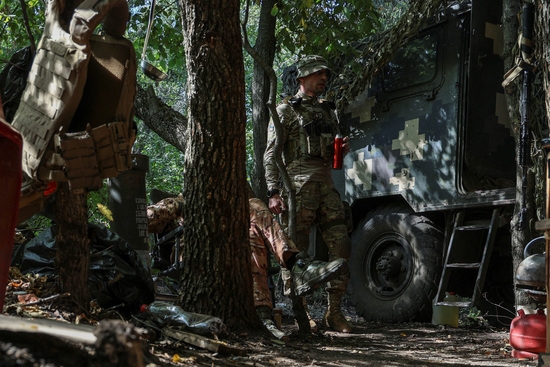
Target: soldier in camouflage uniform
(309,127)
(266,235)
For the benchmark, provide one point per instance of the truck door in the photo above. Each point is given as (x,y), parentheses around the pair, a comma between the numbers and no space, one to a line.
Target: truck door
(487,149)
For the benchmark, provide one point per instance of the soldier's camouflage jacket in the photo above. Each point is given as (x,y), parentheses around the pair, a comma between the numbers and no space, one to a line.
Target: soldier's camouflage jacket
(309,127)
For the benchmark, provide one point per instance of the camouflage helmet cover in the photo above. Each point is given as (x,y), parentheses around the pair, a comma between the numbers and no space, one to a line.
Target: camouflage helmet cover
(311,64)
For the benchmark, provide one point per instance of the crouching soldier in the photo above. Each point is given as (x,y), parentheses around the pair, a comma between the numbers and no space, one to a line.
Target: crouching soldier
(266,235)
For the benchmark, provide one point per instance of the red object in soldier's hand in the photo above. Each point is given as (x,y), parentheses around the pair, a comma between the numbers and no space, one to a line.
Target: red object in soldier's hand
(338,157)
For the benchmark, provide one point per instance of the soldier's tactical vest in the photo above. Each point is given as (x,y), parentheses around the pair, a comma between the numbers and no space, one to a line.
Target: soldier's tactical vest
(76,113)
(317,129)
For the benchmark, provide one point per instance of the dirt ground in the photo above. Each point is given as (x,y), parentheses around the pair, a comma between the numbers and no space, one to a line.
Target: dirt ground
(371,344)
(473,343)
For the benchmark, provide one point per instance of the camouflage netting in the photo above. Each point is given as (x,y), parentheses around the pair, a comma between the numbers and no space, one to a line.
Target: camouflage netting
(350,76)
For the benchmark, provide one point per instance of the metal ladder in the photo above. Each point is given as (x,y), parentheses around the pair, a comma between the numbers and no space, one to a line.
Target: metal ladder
(470,248)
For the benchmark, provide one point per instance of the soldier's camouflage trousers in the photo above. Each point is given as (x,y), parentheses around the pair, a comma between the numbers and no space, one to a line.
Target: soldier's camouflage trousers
(318,203)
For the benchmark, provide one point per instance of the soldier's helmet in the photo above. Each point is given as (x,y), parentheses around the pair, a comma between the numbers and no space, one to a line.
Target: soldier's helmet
(311,64)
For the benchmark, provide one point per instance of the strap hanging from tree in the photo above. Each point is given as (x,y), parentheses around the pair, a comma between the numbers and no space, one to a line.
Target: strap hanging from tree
(525,60)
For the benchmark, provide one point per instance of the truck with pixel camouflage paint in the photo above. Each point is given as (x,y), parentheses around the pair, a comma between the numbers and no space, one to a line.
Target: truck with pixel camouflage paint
(431,173)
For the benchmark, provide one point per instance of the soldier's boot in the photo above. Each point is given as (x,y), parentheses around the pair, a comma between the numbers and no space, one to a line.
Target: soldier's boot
(312,324)
(308,275)
(264,312)
(333,317)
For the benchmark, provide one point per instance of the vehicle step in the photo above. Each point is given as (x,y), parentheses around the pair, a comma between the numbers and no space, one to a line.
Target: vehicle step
(473,227)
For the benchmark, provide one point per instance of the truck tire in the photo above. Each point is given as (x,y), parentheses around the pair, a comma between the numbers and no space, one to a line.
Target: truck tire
(395,265)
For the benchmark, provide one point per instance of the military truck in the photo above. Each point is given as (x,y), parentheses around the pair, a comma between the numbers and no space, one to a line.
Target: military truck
(431,174)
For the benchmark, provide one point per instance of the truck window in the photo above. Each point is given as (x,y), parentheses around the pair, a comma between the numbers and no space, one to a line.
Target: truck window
(413,64)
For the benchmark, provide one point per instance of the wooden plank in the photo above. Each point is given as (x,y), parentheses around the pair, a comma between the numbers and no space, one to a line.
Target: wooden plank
(203,342)
(76,333)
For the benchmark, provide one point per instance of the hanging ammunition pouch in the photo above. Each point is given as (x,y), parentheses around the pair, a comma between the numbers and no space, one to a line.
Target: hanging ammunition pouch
(317,132)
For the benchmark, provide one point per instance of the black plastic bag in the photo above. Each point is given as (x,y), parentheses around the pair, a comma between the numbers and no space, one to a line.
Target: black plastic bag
(116,275)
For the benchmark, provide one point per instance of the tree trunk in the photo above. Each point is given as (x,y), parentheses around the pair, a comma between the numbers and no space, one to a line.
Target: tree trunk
(542,45)
(216,279)
(521,230)
(265,48)
(73,244)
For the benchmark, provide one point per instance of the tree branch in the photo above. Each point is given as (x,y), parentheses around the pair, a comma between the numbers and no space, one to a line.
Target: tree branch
(32,41)
(169,124)
(278,129)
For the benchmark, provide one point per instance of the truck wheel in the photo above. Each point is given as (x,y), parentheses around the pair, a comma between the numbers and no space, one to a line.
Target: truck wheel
(395,265)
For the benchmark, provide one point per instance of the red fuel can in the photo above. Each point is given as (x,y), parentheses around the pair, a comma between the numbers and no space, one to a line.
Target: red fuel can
(528,334)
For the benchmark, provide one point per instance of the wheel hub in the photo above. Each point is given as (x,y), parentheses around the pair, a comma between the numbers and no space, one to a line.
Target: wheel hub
(389,265)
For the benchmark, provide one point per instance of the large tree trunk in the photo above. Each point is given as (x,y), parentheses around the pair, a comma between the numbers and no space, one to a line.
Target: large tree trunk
(216,279)
(265,48)
(73,244)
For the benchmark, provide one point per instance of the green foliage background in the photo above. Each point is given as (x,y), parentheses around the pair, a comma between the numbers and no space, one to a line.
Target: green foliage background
(325,27)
